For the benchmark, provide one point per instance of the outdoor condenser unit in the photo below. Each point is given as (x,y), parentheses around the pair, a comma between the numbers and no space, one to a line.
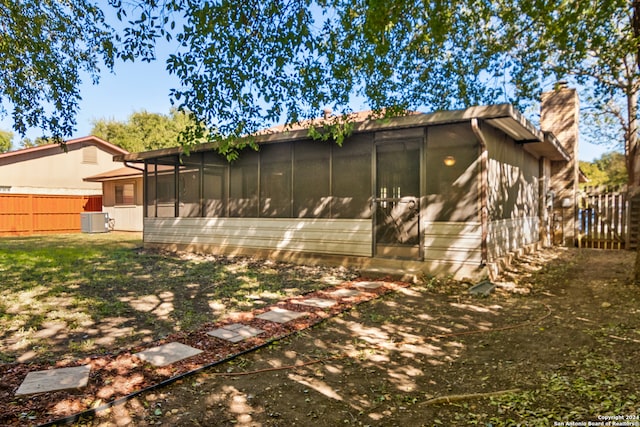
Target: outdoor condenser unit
(94,222)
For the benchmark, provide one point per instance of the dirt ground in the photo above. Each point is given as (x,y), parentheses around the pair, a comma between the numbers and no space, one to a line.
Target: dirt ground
(556,342)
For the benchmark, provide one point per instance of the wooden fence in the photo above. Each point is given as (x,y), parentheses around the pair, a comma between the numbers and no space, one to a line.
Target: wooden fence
(24,214)
(603,219)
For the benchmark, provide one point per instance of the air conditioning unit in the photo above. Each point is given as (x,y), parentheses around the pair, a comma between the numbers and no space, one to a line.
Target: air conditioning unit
(94,222)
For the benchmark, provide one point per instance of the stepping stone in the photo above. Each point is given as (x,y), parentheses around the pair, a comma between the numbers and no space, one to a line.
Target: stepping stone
(345,293)
(167,354)
(317,302)
(369,285)
(54,379)
(281,315)
(235,333)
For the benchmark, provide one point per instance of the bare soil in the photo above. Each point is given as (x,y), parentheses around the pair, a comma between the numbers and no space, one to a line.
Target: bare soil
(557,341)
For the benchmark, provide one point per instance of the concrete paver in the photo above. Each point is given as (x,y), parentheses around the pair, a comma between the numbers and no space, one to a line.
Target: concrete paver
(167,354)
(369,285)
(54,379)
(235,332)
(280,315)
(317,302)
(345,293)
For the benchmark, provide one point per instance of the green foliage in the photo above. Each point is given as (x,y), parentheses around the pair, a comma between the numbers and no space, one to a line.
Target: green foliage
(245,65)
(5,141)
(46,46)
(248,64)
(336,129)
(411,54)
(557,39)
(609,170)
(588,386)
(145,131)
(596,44)
(596,176)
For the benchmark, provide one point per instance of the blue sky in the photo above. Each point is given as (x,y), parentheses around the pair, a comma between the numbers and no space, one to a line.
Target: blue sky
(145,86)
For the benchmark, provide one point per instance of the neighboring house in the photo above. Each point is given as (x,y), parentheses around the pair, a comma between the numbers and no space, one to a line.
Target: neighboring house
(447,193)
(42,188)
(122,197)
(49,169)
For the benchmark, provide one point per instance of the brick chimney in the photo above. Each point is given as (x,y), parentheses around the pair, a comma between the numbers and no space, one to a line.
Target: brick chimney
(559,114)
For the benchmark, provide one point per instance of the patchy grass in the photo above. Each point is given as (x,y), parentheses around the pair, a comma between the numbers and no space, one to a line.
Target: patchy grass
(561,327)
(62,296)
(590,384)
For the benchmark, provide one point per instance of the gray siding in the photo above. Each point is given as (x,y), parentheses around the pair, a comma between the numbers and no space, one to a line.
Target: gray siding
(453,242)
(351,237)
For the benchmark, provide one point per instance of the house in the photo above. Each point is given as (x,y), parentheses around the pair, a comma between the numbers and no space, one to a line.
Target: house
(122,197)
(446,193)
(42,188)
(50,169)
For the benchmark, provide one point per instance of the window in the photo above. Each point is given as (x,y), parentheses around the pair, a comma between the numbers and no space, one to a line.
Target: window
(125,194)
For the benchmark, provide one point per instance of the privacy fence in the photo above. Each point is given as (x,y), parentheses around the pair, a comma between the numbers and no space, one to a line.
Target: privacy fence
(604,219)
(24,214)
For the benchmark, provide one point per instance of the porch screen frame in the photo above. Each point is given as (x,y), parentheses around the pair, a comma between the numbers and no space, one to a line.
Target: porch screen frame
(411,136)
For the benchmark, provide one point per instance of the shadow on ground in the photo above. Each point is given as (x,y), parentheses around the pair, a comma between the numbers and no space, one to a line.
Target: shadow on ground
(557,341)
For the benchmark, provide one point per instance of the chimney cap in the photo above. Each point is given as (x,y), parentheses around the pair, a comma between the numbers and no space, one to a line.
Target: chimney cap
(327,112)
(562,84)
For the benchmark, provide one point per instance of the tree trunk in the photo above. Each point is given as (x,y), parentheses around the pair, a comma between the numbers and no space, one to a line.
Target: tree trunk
(631,144)
(636,28)
(632,153)
(636,267)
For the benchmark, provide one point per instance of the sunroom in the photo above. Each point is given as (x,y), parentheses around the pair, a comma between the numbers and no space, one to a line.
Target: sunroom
(441,193)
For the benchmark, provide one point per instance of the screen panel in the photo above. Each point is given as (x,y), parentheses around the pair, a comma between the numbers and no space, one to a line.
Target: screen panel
(275,180)
(150,190)
(311,186)
(351,178)
(243,185)
(189,181)
(452,174)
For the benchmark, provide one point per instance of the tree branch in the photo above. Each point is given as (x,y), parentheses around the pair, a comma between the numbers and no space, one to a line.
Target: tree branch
(458,397)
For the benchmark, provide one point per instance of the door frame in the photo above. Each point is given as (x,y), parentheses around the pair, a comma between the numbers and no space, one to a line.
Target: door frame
(415,137)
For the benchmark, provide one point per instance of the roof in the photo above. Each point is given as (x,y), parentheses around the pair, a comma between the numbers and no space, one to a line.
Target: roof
(553,149)
(116,174)
(126,172)
(355,117)
(503,116)
(50,149)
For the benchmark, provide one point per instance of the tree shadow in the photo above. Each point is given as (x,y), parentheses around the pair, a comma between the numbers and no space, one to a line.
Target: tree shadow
(68,298)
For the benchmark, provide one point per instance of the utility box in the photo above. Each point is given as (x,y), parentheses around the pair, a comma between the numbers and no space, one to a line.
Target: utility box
(94,222)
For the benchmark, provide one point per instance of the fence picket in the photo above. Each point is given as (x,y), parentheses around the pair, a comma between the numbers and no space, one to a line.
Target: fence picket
(24,214)
(603,219)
